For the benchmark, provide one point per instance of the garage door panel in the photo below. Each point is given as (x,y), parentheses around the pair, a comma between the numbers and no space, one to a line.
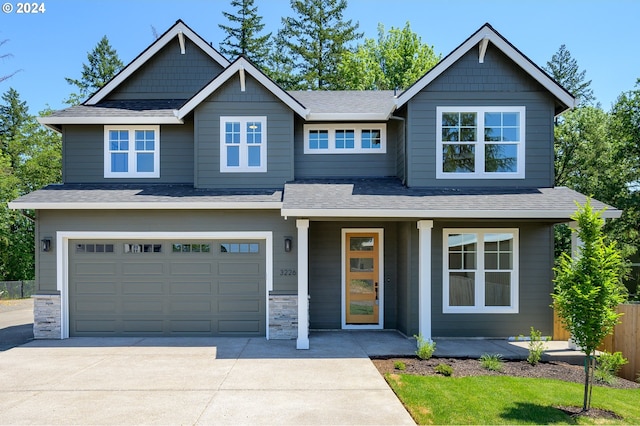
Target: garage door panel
(166,292)
(143,268)
(191,288)
(239,268)
(145,288)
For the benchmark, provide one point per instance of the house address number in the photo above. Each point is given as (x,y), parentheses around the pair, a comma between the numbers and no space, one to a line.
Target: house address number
(288,272)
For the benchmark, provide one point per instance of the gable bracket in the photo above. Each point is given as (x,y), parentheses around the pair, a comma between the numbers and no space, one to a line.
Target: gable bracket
(483,49)
(242,79)
(181,40)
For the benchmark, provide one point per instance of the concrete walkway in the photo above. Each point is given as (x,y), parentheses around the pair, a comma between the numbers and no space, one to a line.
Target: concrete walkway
(197,381)
(16,322)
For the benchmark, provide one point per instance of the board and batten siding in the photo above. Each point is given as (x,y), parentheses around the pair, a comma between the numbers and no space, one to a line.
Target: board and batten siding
(256,100)
(496,82)
(535,286)
(83,155)
(169,75)
(335,166)
(51,221)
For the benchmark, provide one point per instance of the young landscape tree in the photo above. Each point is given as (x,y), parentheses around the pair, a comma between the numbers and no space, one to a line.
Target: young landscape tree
(103,65)
(243,32)
(395,61)
(588,288)
(315,40)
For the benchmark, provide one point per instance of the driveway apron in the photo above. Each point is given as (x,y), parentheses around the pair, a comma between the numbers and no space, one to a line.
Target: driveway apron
(195,381)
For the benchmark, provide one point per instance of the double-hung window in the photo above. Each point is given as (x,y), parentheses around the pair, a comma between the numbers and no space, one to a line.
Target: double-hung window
(243,144)
(346,138)
(131,152)
(480,271)
(480,142)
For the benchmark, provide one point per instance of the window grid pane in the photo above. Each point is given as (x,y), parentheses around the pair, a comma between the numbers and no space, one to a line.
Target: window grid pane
(371,139)
(232,133)
(345,139)
(318,139)
(254,132)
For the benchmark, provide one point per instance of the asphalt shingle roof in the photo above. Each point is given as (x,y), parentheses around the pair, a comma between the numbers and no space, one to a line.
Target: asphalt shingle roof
(346,101)
(135,108)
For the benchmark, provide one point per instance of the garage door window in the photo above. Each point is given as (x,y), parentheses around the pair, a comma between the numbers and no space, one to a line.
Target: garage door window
(240,248)
(94,248)
(142,248)
(190,248)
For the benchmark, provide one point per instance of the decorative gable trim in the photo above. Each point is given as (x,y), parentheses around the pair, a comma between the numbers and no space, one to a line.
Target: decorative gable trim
(485,34)
(241,66)
(179,31)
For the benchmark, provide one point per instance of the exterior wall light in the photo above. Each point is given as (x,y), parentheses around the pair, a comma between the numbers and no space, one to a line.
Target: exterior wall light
(288,244)
(45,244)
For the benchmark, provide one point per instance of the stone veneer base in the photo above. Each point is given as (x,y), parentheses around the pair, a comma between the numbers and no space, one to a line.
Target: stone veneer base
(283,317)
(46,317)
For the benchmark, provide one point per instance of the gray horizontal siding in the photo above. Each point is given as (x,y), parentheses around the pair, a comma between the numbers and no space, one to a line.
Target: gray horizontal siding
(169,74)
(83,153)
(496,82)
(51,221)
(228,100)
(315,166)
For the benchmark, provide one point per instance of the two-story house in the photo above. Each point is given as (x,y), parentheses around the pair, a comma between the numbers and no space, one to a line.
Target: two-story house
(199,198)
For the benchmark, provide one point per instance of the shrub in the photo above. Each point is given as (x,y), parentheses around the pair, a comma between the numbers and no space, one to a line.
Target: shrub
(399,365)
(608,365)
(444,369)
(536,347)
(426,348)
(491,362)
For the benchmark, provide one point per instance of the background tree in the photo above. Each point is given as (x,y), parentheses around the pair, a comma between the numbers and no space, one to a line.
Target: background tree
(4,56)
(103,65)
(394,61)
(564,69)
(315,40)
(588,288)
(242,33)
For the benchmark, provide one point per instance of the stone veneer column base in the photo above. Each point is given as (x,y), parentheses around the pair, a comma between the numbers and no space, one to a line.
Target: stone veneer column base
(283,317)
(46,316)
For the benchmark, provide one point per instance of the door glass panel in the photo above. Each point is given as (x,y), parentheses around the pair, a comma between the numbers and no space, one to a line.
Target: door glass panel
(359,264)
(361,286)
(361,308)
(361,243)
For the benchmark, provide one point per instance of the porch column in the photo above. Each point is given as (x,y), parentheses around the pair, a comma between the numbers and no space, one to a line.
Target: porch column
(575,241)
(424,278)
(303,284)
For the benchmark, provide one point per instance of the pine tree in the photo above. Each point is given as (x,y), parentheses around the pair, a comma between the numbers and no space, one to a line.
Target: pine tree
(564,69)
(242,33)
(14,113)
(315,40)
(103,65)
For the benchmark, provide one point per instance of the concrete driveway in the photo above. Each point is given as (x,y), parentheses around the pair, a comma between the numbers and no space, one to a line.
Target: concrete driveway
(199,381)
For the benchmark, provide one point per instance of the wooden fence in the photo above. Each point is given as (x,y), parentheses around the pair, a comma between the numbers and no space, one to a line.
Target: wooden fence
(625,339)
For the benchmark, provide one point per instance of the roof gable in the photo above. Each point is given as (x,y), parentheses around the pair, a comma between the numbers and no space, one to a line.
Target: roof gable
(179,30)
(481,38)
(240,66)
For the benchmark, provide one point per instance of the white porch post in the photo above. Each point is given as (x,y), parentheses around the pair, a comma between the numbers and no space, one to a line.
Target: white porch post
(303,284)
(576,243)
(424,278)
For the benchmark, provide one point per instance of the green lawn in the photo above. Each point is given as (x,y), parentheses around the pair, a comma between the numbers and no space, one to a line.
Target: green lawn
(506,400)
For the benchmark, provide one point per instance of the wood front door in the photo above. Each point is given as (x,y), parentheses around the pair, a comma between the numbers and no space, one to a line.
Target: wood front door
(362,278)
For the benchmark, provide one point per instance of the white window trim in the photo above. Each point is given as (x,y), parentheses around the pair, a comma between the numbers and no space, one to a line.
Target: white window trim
(357,146)
(131,152)
(243,146)
(479,152)
(479,308)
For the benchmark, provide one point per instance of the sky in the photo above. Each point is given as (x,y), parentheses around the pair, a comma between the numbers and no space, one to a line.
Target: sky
(53,44)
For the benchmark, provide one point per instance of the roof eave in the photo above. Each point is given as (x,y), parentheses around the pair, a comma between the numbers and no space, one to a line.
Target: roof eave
(354,116)
(50,121)
(147,205)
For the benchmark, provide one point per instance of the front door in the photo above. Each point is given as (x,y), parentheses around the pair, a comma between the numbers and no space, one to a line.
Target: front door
(362,284)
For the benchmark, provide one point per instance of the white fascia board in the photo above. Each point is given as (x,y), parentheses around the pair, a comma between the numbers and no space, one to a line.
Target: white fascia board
(109,120)
(229,72)
(441,214)
(257,205)
(351,116)
(150,52)
(506,48)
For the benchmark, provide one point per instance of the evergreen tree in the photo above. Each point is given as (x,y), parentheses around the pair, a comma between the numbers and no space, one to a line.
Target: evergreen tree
(315,40)
(103,65)
(13,114)
(242,33)
(3,56)
(564,69)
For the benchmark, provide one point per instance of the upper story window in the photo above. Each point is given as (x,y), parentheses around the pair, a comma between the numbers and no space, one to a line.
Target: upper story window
(243,144)
(480,142)
(480,271)
(131,152)
(345,138)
